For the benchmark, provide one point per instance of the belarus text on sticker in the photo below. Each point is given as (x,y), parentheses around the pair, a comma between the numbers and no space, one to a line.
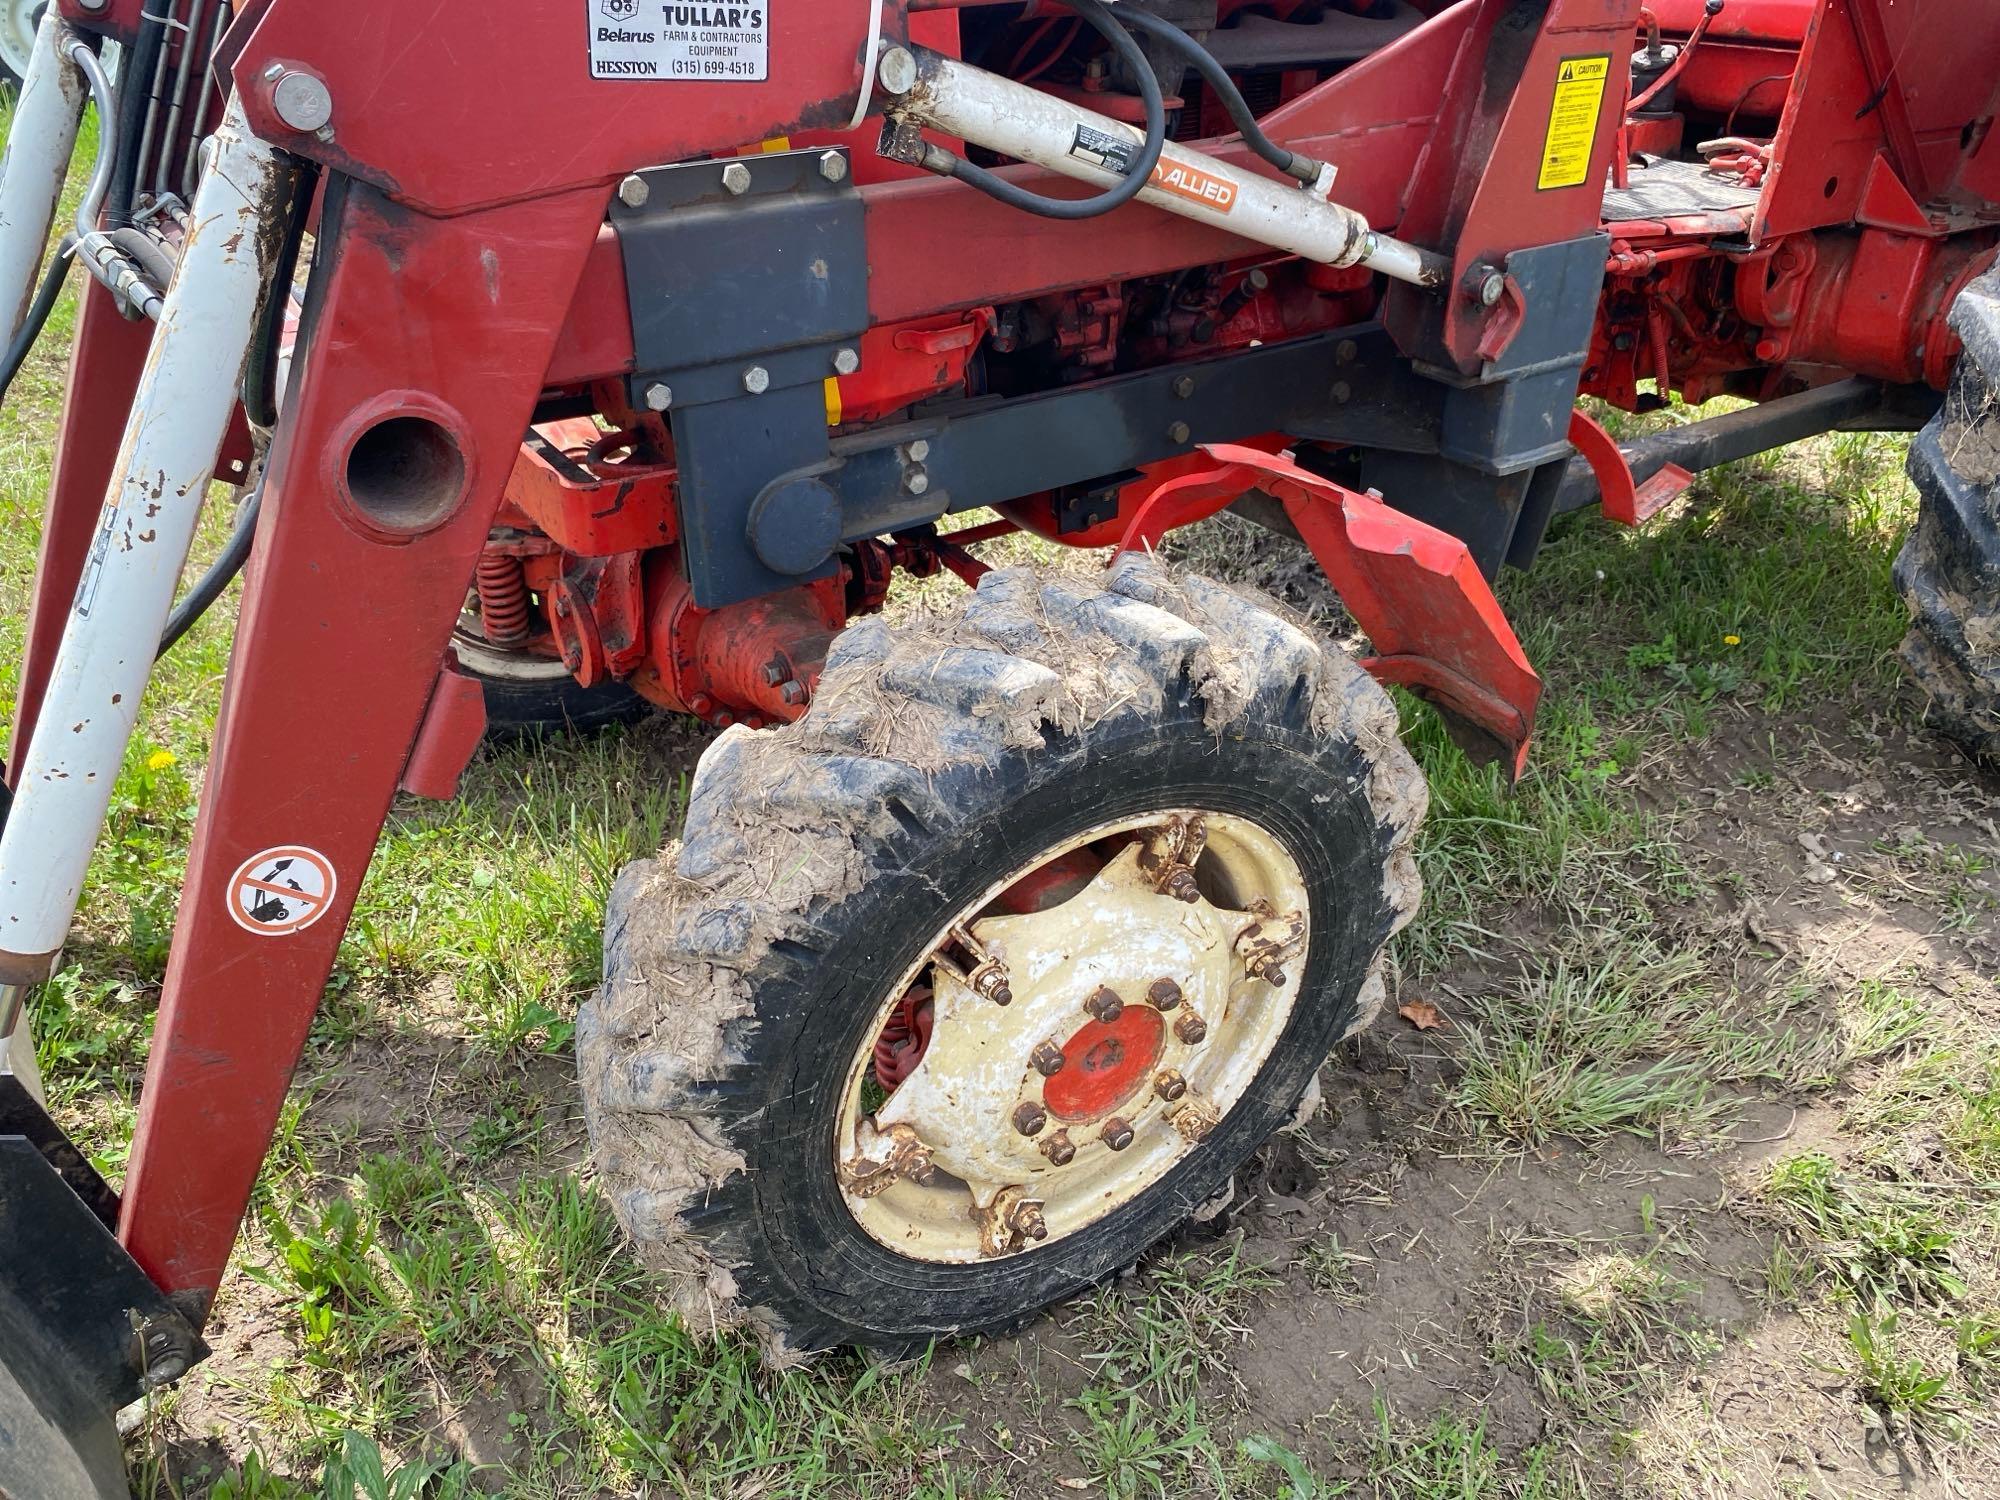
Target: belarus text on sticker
(699,43)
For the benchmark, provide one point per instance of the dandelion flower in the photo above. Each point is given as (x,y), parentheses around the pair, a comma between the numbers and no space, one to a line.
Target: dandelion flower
(159,760)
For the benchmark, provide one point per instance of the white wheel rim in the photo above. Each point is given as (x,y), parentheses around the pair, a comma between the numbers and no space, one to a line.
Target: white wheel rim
(18,19)
(945,1170)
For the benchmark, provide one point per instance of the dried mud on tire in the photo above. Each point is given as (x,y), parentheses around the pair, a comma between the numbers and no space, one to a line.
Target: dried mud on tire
(921,735)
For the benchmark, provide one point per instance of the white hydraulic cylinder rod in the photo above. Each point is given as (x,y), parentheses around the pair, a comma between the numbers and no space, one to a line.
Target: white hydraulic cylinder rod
(172,439)
(958,99)
(40,140)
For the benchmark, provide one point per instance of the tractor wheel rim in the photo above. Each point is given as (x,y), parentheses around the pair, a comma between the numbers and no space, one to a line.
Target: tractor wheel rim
(500,663)
(1078,1053)
(18,22)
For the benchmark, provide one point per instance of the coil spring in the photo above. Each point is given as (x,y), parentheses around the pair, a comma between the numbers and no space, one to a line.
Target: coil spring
(503,600)
(904,1039)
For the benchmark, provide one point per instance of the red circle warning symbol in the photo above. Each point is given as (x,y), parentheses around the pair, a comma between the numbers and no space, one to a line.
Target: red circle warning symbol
(282,890)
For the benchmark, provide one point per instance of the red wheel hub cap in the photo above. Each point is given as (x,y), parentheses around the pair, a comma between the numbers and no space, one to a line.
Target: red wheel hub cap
(1104,1065)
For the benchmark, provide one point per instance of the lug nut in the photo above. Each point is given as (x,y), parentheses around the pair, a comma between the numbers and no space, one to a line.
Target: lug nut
(1117,1133)
(1059,1149)
(1029,1117)
(1104,1004)
(1029,1223)
(1169,1085)
(1047,1059)
(991,984)
(1190,1028)
(1180,885)
(1163,994)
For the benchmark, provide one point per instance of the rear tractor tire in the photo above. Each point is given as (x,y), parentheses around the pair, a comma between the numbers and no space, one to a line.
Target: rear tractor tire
(1949,569)
(973,983)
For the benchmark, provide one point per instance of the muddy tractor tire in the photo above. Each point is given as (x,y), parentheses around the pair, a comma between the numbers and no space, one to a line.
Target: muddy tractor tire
(965,989)
(1949,569)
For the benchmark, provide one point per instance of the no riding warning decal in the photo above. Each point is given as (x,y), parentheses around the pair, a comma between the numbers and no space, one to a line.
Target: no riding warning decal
(282,891)
(712,41)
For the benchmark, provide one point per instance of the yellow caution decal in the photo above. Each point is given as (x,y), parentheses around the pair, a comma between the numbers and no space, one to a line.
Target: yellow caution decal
(1573,120)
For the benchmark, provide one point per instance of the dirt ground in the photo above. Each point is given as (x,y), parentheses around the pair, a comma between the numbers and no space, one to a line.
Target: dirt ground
(1690,1191)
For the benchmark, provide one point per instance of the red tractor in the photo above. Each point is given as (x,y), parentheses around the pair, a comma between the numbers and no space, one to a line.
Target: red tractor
(579,357)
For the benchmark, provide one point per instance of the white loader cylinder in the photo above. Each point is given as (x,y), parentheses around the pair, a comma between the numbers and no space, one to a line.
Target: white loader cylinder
(40,138)
(1015,120)
(172,439)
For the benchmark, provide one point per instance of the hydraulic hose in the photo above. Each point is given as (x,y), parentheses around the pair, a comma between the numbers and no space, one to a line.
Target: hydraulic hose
(130,114)
(221,573)
(1137,175)
(1304,168)
(38,313)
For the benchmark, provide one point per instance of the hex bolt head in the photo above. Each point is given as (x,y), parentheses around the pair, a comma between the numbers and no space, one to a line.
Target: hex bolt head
(756,380)
(1492,289)
(1184,387)
(1169,1085)
(1163,994)
(833,166)
(736,179)
(1342,393)
(1182,887)
(897,71)
(917,450)
(1029,1223)
(793,693)
(633,192)
(1047,1059)
(916,480)
(1190,1028)
(1117,1133)
(777,672)
(846,362)
(659,396)
(1059,1149)
(1104,1005)
(301,101)
(991,983)
(1345,351)
(1030,1117)
(1179,432)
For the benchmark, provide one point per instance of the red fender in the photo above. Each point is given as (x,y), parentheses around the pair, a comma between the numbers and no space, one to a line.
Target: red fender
(1429,611)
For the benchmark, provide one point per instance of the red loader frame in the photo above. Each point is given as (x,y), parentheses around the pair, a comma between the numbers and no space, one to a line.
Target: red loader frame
(473,281)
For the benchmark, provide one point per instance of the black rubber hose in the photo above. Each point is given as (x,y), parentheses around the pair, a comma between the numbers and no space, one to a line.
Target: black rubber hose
(260,369)
(221,573)
(1304,168)
(1137,174)
(38,313)
(136,72)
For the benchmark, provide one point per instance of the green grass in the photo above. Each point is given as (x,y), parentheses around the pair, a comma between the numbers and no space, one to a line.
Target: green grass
(422,1241)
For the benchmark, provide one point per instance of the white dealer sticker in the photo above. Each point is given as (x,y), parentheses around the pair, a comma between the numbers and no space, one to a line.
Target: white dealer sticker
(719,42)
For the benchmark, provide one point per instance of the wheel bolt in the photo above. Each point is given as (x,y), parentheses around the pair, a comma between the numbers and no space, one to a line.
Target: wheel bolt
(991,983)
(1117,1133)
(1164,994)
(1104,1004)
(1190,1028)
(1180,885)
(1029,1117)
(1047,1059)
(1059,1149)
(1029,1223)
(1169,1085)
